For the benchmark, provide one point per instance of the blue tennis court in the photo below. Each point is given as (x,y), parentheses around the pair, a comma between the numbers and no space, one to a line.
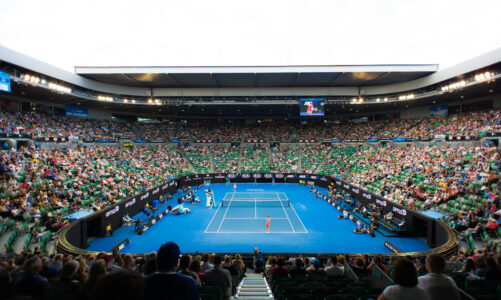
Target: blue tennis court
(246,212)
(300,223)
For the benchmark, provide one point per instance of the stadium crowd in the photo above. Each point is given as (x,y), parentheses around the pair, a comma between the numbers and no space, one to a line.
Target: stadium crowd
(210,276)
(38,125)
(43,186)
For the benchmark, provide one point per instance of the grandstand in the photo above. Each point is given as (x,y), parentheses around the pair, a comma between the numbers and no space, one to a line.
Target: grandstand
(404,162)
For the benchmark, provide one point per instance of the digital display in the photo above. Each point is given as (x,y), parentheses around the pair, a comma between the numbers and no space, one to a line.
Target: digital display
(4,82)
(77,111)
(311,107)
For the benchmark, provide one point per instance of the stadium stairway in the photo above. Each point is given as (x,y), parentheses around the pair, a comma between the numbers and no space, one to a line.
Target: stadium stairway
(326,158)
(211,160)
(299,156)
(240,155)
(253,287)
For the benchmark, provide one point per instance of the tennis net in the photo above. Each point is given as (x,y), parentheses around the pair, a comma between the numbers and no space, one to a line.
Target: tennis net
(257,203)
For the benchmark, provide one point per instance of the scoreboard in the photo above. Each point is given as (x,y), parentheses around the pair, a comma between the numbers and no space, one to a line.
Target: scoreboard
(311,107)
(4,82)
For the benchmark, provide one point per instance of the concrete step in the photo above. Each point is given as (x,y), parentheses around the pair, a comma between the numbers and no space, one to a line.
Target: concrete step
(264,291)
(254,285)
(246,288)
(253,294)
(254,297)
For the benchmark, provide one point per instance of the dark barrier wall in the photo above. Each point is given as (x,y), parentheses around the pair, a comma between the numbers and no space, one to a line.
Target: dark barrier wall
(94,225)
(417,224)
(197,179)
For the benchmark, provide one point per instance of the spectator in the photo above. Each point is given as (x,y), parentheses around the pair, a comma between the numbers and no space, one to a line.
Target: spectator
(359,267)
(437,285)
(96,274)
(492,271)
(125,285)
(332,269)
(166,282)
(31,283)
(67,285)
(48,271)
(219,276)
(206,265)
(279,270)
(316,270)
(184,264)
(405,279)
(298,270)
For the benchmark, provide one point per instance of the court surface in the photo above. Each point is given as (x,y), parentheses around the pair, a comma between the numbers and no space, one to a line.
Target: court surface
(299,223)
(246,212)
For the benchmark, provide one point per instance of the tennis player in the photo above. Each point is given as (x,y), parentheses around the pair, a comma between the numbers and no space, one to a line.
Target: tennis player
(234,187)
(268,224)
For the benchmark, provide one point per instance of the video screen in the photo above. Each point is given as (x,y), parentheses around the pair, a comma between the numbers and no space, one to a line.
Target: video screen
(4,82)
(311,107)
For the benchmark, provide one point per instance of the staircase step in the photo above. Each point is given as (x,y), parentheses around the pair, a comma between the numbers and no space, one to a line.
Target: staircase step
(255,285)
(243,293)
(265,290)
(254,297)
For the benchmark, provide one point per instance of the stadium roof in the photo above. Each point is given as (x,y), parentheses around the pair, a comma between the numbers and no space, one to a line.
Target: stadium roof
(255,67)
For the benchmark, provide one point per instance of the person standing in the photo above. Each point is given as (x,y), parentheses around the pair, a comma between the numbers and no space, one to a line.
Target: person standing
(268,224)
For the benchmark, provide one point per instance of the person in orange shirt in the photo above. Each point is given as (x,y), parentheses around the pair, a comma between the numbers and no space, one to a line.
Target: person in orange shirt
(268,224)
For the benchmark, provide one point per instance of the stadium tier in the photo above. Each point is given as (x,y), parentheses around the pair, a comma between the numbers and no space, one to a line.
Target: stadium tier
(301,187)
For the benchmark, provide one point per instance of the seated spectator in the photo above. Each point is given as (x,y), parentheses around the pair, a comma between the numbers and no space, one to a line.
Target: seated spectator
(206,265)
(359,267)
(437,285)
(298,270)
(378,261)
(492,270)
(279,270)
(166,282)
(405,279)
(31,284)
(316,270)
(127,285)
(184,264)
(219,276)
(332,269)
(67,286)
(96,274)
(48,271)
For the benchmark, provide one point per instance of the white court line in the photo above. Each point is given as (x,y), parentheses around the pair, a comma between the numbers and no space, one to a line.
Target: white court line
(213,217)
(224,216)
(255,218)
(255,209)
(252,199)
(292,227)
(233,232)
(273,193)
(292,206)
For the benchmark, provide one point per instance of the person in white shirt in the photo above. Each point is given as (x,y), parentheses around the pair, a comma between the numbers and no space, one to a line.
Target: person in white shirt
(332,269)
(437,285)
(405,279)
